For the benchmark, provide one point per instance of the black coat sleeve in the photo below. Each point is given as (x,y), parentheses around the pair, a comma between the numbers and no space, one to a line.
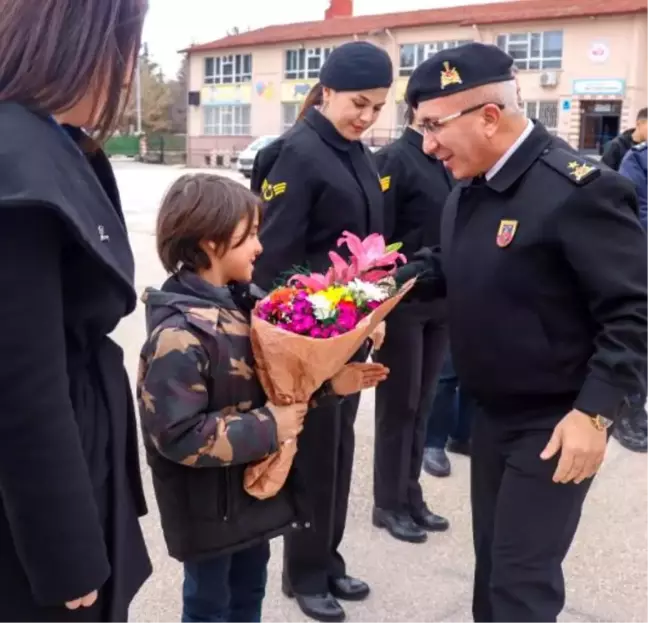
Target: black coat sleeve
(44,480)
(288,195)
(612,155)
(605,245)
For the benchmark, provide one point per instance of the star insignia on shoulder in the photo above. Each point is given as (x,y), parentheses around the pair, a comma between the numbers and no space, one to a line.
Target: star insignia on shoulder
(580,170)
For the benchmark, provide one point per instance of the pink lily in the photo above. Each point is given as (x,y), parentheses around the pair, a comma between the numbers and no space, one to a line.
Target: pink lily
(314,282)
(370,252)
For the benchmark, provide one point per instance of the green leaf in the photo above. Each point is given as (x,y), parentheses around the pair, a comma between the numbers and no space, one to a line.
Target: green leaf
(396,246)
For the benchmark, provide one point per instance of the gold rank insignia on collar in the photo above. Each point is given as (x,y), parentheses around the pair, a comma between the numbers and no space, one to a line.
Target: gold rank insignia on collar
(506,232)
(270,191)
(580,170)
(449,75)
(385,183)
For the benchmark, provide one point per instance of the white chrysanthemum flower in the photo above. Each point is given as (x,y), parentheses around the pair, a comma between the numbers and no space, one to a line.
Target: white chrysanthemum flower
(368,291)
(323,308)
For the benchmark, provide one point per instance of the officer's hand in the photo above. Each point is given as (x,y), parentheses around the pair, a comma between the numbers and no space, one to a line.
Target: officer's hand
(582,448)
(83,602)
(355,377)
(378,335)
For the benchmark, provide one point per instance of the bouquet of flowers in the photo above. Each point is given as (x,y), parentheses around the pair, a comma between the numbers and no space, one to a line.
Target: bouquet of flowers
(304,332)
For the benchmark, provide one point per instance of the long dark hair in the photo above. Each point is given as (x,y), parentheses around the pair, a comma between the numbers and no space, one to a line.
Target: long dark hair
(314,98)
(53,51)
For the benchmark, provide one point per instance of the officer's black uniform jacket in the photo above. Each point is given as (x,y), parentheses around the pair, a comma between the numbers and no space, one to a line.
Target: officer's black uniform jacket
(557,315)
(318,186)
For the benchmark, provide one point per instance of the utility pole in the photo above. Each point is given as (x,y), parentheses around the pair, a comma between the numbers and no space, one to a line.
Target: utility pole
(138,93)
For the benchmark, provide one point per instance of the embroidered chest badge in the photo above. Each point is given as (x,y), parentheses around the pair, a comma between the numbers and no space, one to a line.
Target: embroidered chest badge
(506,233)
(385,183)
(449,76)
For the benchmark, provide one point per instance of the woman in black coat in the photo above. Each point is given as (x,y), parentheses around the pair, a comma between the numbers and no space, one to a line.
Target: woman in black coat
(71,548)
(317,181)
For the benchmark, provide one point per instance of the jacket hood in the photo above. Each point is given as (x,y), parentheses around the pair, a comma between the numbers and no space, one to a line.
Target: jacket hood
(181,292)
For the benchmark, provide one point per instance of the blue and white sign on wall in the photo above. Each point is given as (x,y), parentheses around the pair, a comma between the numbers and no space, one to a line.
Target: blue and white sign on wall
(566,105)
(603,86)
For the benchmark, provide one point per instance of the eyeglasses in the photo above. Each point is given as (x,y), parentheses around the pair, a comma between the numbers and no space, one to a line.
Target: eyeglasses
(432,127)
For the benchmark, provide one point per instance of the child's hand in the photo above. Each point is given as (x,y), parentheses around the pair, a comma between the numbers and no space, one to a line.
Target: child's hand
(355,377)
(289,419)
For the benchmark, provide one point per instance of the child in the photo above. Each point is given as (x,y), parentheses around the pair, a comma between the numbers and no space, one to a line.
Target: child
(203,411)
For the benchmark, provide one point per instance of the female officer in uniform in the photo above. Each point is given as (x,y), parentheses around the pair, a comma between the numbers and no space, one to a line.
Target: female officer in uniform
(415,187)
(322,182)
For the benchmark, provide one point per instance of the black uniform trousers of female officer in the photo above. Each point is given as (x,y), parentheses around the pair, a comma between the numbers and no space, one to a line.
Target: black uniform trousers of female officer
(415,189)
(315,185)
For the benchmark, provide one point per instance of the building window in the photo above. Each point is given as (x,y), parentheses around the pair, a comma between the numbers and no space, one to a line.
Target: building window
(534,50)
(413,54)
(289,113)
(227,120)
(230,69)
(545,112)
(304,63)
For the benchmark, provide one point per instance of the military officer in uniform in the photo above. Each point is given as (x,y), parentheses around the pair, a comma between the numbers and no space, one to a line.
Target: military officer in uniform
(415,187)
(545,265)
(319,180)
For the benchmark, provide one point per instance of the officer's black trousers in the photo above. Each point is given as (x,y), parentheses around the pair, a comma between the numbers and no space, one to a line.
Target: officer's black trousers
(414,349)
(324,460)
(523,523)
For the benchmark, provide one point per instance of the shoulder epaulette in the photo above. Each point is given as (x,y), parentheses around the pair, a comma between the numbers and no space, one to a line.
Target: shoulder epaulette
(573,166)
(640,146)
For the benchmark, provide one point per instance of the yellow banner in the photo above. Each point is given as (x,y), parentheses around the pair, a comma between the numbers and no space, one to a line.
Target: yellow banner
(226,94)
(296,90)
(400,87)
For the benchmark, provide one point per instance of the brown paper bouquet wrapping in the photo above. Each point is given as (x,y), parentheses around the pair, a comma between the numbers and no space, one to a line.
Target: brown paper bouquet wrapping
(291,368)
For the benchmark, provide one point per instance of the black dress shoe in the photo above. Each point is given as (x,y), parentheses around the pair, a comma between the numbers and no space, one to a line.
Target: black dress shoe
(459,447)
(322,607)
(425,518)
(435,462)
(399,524)
(349,588)
(629,431)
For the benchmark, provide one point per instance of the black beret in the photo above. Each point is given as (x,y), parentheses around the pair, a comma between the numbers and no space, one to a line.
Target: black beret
(357,66)
(458,69)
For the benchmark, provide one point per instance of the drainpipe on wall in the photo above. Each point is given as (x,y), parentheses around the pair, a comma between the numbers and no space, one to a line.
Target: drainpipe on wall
(392,94)
(478,33)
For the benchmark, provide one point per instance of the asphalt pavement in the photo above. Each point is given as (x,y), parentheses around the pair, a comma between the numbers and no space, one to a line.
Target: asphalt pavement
(606,570)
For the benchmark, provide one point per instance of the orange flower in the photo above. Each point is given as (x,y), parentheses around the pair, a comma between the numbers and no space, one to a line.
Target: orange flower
(282,295)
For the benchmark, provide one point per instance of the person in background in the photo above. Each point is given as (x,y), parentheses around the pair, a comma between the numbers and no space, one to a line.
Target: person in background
(631,430)
(415,188)
(203,411)
(320,182)
(545,266)
(449,422)
(617,148)
(71,546)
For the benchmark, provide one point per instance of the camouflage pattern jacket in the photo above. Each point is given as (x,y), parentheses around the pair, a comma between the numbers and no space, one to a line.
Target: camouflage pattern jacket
(203,419)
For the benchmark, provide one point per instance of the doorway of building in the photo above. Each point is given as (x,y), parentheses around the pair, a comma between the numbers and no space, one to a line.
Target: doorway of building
(600,123)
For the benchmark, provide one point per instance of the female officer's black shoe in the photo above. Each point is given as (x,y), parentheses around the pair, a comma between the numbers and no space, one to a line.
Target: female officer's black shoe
(399,524)
(322,607)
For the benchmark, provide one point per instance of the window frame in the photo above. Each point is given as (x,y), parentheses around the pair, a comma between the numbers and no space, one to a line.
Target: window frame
(227,120)
(214,69)
(296,64)
(536,105)
(534,44)
(423,51)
